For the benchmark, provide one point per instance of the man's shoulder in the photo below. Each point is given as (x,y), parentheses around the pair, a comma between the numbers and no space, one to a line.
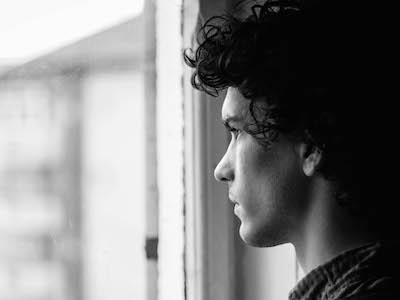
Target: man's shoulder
(384,289)
(372,296)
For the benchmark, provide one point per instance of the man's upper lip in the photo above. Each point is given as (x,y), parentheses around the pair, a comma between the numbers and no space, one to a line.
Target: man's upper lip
(232,199)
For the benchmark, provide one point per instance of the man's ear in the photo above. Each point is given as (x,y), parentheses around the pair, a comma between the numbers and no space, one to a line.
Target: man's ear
(311,158)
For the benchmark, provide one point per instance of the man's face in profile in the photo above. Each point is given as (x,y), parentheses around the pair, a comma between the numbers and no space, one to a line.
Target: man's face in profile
(265,184)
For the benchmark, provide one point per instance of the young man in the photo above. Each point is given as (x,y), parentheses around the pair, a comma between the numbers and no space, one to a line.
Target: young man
(307,165)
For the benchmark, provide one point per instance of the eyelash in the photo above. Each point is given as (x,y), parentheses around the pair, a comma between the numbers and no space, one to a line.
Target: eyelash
(234,131)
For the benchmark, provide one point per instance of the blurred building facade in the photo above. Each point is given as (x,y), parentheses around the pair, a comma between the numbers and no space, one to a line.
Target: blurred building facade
(72,192)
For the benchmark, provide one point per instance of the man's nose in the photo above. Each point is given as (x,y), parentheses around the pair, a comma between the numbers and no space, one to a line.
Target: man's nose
(224,171)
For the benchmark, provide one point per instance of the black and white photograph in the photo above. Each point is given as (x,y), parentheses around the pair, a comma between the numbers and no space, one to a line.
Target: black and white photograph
(198,150)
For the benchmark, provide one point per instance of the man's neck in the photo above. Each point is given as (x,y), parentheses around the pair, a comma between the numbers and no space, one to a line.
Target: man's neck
(319,249)
(328,231)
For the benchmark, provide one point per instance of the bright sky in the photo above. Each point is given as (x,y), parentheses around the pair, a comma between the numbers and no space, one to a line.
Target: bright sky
(32,28)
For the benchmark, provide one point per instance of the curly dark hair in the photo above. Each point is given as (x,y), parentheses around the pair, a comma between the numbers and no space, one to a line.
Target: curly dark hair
(308,63)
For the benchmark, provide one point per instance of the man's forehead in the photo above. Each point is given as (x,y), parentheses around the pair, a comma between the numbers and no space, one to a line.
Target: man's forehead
(235,106)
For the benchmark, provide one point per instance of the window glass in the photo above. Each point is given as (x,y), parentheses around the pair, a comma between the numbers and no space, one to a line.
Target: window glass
(72,150)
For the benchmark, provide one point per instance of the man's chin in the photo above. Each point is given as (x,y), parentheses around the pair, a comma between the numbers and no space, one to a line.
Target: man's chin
(258,239)
(250,238)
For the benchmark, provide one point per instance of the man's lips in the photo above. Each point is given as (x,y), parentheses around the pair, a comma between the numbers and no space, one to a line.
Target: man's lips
(233,199)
